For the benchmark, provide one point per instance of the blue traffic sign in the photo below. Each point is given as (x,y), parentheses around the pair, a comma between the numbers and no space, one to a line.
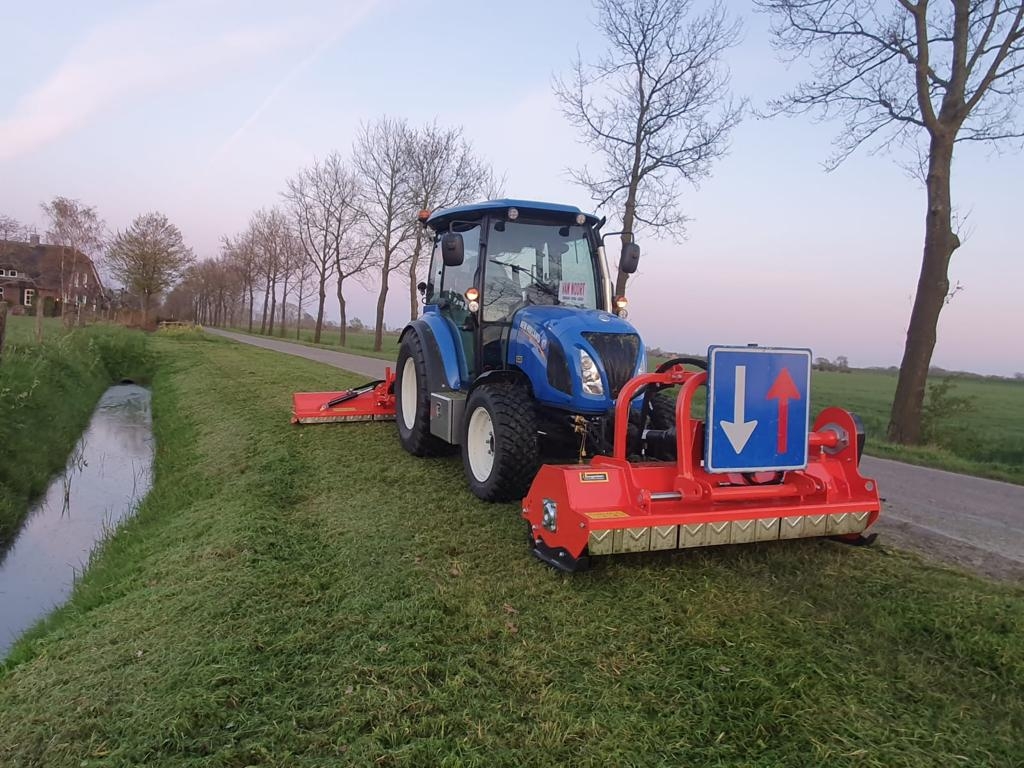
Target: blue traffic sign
(758,409)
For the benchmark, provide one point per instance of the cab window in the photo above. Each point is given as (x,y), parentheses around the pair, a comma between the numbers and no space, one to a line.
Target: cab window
(537,264)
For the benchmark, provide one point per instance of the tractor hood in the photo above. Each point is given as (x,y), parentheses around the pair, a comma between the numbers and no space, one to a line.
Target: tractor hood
(551,344)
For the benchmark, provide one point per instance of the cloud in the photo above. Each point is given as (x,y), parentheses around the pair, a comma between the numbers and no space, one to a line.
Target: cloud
(156,47)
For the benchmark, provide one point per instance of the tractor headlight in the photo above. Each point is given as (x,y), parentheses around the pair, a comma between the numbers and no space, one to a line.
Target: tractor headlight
(592,384)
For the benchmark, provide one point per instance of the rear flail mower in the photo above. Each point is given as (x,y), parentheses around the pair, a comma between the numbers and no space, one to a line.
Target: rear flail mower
(524,360)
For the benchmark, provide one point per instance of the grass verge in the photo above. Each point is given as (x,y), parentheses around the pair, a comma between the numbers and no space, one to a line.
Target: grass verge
(47,393)
(314,596)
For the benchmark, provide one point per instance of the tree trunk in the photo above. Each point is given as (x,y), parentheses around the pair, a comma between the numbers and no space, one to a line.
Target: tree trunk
(322,296)
(414,298)
(252,303)
(40,303)
(298,321)
(932,289)
(284,305)
(273,308)
(382,297)
(266,303)
(628,220)
(341,302)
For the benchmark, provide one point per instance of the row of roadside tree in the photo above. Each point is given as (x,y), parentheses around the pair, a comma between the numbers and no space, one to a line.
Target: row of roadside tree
(341,219)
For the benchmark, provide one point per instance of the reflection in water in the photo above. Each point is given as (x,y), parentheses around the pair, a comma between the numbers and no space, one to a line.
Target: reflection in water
(108,474)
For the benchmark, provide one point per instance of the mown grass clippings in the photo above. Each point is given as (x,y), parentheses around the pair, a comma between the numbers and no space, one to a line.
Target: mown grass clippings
(314,596)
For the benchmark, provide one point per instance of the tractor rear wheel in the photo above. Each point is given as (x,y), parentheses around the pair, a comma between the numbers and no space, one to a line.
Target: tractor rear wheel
(500,454)
(412,401)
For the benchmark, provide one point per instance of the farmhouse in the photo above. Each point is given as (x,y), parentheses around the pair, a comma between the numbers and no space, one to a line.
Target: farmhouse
(53,274)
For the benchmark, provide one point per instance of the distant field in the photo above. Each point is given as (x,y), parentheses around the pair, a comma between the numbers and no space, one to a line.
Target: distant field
(988,441)
(21,329)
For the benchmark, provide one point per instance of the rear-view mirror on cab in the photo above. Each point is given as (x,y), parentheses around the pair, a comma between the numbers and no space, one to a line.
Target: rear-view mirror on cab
(452,249)
(630,258)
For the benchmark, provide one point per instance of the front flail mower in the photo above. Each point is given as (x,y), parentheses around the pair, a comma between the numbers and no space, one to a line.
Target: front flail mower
(372,401)
(615,505)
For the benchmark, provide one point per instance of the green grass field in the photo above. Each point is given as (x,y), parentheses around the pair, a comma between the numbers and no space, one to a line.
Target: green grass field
(21,329)
(314,596)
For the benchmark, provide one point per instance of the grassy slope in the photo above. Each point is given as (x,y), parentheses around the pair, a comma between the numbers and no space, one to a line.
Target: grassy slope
(313,596)
(47,393)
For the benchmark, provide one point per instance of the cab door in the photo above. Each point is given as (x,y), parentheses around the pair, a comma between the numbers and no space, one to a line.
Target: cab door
(447,289)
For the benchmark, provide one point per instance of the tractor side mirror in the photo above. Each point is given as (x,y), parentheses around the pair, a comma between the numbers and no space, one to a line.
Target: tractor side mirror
(453,250)
(630,258)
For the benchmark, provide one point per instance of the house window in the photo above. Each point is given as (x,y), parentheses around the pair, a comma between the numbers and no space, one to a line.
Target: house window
(1,293)
(3,272)
(12,273)
(29,295)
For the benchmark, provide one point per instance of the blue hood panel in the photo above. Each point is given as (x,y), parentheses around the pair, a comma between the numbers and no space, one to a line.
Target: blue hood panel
(536,329)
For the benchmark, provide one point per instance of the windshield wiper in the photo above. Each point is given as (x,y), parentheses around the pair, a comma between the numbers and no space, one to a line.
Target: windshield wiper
(539,283)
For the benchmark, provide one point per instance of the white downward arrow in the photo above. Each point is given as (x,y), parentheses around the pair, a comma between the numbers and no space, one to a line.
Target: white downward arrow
(738,431)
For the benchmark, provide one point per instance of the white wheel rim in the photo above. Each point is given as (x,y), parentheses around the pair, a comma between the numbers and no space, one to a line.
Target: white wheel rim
(409,393)
(480,444)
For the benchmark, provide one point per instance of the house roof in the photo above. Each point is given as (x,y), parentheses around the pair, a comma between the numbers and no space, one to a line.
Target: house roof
(40,263)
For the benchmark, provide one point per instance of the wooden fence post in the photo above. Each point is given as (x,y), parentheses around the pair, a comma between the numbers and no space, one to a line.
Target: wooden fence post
(39,317)
(3,327)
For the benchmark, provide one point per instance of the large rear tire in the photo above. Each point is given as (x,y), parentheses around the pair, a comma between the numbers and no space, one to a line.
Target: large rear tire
(500,454)
(412,400)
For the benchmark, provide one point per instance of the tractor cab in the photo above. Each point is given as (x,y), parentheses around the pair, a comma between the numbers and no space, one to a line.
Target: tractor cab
(491,260)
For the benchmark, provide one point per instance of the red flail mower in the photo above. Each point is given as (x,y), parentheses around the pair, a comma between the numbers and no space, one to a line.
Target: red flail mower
(616,505)
(373,401)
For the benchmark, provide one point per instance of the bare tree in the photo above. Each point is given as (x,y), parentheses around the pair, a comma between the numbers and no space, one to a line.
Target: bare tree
(911,75)
(353,260)
(386,204)
(10,228)
(292,259)
(77,228)
(320,198)
(149,257)
(445,172)
(305,276)
(241,252)
(494,186)
(269,230)
(656,107)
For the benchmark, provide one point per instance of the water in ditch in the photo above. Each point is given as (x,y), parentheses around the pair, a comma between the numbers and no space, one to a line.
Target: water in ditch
(108,474)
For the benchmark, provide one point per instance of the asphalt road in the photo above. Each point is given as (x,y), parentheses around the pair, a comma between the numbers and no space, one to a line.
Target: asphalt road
(970,522)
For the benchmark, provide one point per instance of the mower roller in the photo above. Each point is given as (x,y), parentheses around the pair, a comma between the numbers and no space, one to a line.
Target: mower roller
(372,401)
(523,359)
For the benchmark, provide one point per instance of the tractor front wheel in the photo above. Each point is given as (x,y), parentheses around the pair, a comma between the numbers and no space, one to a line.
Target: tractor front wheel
(412,401)
(500,454)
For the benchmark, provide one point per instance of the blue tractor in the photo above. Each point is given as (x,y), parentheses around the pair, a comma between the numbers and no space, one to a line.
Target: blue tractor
(523,357)
(521,349)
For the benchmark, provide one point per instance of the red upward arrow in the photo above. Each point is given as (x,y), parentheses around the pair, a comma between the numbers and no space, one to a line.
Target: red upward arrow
(783,390)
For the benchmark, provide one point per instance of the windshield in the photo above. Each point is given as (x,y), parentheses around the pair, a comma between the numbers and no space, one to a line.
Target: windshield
(537,264)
